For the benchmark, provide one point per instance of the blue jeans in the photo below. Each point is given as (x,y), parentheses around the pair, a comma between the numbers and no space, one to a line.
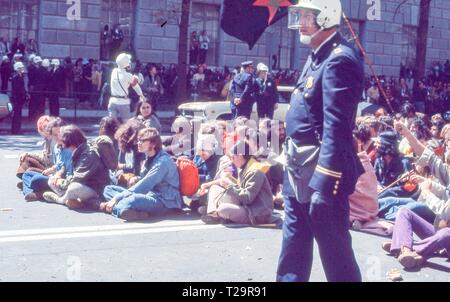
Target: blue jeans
(34,182)
(389,206)
(326,220)
(149,202)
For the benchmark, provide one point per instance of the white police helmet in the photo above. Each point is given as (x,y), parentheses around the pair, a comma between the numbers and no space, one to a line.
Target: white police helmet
(55,62)
(262,67)
(123,60)
(37,60)
(328,13)
(18,65)
(5,58)
(31,57)
(46,63)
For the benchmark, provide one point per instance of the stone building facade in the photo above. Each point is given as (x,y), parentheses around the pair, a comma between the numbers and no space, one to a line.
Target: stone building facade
(388,42)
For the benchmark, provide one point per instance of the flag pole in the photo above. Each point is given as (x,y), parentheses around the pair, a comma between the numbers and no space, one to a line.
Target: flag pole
(368,62)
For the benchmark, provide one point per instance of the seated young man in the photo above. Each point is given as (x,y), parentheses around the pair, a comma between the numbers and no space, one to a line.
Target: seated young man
(90,174)
(157,190)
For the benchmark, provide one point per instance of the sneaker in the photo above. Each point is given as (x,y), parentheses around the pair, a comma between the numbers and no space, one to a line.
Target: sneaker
(51,197)
(33,197)
(133,215)
(387,246)
(212,219)
(410,259)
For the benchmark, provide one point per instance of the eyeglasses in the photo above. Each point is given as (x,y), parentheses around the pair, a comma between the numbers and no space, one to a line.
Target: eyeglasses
(141,141)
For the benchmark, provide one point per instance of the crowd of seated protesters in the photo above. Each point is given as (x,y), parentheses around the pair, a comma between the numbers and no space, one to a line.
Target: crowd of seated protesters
(406,183)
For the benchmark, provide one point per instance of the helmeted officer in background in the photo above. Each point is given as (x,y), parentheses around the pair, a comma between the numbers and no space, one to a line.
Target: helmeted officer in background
(35,88)
(322,164)
(121,80)
(18,97)
(243,91)
(267,94)
(57,78)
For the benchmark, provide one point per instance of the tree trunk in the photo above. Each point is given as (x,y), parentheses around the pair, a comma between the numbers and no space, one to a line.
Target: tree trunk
(182,68)
(422,38)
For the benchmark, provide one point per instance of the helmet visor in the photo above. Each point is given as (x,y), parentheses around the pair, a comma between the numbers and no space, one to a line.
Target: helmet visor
(301,18)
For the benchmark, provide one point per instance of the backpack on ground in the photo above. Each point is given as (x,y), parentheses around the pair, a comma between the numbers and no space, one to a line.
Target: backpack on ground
(189,177)
(105,149)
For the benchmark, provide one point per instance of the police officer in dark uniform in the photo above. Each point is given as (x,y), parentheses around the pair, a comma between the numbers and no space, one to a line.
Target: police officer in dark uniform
(34,87)
(243,90)
(18,97)
(267,95)
(322,166)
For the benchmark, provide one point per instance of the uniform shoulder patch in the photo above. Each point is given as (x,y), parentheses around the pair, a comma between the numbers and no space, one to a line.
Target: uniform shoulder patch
(337,51)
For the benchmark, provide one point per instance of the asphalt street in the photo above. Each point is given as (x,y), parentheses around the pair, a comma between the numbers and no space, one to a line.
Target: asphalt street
(47,242)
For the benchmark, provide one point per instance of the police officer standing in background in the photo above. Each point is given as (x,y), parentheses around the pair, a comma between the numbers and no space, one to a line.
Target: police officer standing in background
(57,78)
(322,164)
(18,97)
(267,95)
(243,91)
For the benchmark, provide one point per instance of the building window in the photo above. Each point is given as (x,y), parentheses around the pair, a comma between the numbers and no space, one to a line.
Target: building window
(205,17)
(19,19)
(409,42)
(117,26)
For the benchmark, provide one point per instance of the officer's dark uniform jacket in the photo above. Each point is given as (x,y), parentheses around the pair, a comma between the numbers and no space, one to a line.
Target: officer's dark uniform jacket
(323,110)
(243,87)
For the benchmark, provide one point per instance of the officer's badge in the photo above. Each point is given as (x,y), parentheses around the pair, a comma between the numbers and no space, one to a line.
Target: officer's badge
(310,83)
(337,51)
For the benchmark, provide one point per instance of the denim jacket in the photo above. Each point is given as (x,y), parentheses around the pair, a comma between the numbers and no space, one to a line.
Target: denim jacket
(162,179)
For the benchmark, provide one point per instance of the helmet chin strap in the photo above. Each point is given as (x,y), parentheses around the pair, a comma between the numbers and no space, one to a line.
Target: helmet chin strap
(305,39)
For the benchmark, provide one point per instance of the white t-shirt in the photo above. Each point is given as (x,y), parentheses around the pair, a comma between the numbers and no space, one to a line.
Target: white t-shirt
(121,92)
(204,42)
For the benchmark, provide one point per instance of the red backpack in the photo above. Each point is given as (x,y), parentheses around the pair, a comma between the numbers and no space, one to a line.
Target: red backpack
(189,178)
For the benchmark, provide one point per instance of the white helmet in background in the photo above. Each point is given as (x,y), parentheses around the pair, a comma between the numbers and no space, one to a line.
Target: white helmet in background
(19,65)
(262,67)
(5,58)
(31,57)
(123,60)
(37,60)
(55,62)
(46,63)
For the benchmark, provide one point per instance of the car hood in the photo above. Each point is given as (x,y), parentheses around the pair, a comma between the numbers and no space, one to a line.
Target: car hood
(199,106)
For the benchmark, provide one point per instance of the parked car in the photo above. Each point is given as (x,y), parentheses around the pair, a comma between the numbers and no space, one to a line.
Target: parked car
(5,106)
(220,110)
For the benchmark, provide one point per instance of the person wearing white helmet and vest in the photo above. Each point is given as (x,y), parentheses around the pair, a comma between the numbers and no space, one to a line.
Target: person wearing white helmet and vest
(267,94)
(121,80)
(322,166)
(18,97)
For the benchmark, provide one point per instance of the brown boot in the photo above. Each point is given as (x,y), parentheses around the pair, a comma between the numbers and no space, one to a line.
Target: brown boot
(133,215)
(74,204)
(409,259)
(387,246)
(33,197)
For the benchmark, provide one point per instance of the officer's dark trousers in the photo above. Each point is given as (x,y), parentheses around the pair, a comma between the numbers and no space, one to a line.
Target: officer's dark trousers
(326,221)
(33,108)
(54,104)
(243,111)
(17,117)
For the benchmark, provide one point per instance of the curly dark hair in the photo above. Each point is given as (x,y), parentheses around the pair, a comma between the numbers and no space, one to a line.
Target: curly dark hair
(127,135)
